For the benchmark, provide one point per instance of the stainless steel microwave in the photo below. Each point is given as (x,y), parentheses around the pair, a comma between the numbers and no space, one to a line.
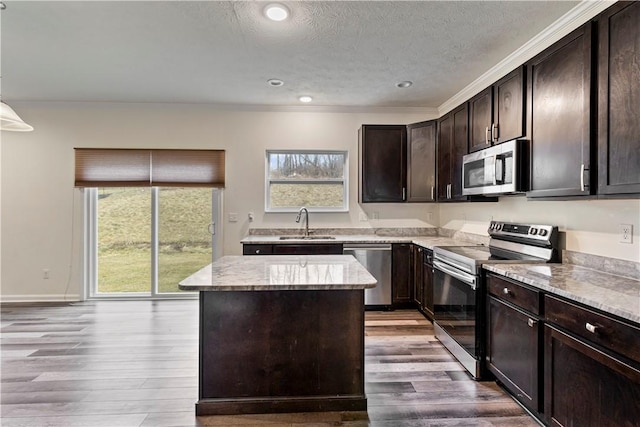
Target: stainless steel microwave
(501,169)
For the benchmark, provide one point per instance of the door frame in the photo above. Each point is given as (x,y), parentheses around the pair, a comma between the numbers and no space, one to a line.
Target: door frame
(90,252)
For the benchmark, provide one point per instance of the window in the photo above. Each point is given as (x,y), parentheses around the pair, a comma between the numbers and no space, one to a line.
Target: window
(317,180)
(152,218)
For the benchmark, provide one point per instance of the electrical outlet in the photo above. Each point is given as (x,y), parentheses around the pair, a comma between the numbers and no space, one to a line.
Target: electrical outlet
(376,215)
(233,217)
(626,233)
(45,273)
(364,217)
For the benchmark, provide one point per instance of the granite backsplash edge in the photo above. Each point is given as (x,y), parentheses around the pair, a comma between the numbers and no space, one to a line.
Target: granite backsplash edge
(619,267)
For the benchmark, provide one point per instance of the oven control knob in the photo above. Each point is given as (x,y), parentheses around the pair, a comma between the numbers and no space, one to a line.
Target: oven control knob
(542,232)
(498,226)
(533,231)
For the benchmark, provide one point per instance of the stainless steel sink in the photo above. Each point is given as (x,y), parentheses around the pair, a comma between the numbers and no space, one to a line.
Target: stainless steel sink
(307,238)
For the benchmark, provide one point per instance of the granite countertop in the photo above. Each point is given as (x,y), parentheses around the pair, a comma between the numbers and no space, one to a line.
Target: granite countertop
(280,273)
(424,241)
(607,292)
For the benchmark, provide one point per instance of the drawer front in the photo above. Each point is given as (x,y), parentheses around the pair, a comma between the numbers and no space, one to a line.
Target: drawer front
(257,249)
(602,330)
(515,293)
(308,249)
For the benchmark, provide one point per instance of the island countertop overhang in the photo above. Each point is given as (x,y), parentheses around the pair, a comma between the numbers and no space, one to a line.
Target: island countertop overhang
(280,273)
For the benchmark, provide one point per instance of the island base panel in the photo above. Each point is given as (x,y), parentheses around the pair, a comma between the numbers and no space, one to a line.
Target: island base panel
(280,405)
(281,351)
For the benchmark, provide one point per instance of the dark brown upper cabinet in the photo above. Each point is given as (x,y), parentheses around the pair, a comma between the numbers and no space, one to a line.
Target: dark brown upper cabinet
(559,94)
(453,140)
(421,161)
(619,99)
(382,164)
(497,114)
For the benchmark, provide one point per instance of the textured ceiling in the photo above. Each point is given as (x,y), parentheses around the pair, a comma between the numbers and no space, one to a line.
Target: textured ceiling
(341,53)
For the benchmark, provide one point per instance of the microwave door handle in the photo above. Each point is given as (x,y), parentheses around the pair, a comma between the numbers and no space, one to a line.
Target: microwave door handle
(495,170)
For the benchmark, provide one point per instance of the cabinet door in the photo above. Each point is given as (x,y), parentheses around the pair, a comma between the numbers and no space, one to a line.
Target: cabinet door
(445,142)
(513,344)
(480,120)
(586,387)
(560,90)
(421,162)
(619,100)
(417,275)
(401,272)
(383,151)
(509,107)
(460,147)
(427,289)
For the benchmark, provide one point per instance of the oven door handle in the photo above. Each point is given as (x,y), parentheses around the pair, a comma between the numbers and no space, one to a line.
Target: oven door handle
(463,277)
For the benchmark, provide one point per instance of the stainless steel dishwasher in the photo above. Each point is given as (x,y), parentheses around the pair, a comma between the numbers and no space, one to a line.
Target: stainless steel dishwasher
(376,258)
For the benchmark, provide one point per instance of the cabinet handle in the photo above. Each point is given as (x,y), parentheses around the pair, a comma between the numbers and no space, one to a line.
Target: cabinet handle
(448,191)
(506,291)
(257,251)
(486,135)
(591,328)
(404,193)
(432,198)
(494,132)
(582,177)
(531,322)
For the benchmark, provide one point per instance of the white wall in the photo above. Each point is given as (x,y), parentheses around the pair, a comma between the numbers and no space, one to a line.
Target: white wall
(589,226)
(42,214)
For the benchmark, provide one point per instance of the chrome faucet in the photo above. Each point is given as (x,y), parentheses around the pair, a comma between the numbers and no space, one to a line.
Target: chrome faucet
(306,220)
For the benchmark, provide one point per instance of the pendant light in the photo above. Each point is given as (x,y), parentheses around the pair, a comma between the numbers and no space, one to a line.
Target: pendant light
(9,120)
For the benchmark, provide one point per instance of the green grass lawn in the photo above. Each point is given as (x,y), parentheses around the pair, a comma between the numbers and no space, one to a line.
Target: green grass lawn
(124,236)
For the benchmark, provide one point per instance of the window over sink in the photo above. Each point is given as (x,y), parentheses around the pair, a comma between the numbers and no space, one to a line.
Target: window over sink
(316,179)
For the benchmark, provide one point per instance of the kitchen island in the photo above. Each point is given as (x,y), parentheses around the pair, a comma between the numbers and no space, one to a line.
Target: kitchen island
(281,334)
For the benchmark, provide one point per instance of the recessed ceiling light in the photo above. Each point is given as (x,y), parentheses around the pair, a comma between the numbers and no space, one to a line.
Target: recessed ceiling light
(404,84)
(276,12)
(275,82)
(306,99)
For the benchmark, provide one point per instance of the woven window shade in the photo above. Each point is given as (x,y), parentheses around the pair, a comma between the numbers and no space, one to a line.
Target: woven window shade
(187,168)
(145,168)
(112,168)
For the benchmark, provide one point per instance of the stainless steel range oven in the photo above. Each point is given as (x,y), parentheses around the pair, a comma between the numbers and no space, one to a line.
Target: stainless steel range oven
(459,291)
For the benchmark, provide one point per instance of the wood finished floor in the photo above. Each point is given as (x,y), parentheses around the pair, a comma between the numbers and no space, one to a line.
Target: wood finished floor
(134,363)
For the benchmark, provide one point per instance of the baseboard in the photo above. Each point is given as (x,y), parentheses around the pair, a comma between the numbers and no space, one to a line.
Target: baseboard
(40,298)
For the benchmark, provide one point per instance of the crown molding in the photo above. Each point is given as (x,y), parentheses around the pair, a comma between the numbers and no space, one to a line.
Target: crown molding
(570,21)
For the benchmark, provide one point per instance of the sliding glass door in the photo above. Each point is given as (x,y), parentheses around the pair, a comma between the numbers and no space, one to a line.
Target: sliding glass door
(143,241)
(185,238)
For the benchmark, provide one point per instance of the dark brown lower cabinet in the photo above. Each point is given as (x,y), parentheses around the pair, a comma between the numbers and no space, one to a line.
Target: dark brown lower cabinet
(513,351)
(401,273)
(427,283)
(293,249)
(418,252)
(584,386)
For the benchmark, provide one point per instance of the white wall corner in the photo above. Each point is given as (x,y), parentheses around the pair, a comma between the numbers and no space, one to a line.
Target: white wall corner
(570,21)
